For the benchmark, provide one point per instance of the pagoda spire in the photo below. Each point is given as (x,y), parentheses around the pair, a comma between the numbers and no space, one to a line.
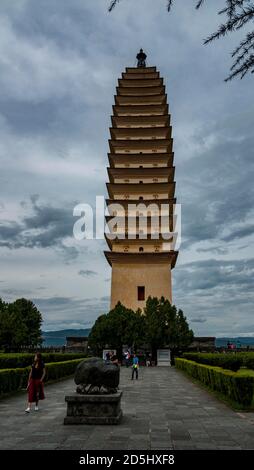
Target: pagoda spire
(141,58)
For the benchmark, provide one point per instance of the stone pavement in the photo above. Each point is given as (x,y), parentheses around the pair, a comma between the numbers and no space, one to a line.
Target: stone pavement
(162,410)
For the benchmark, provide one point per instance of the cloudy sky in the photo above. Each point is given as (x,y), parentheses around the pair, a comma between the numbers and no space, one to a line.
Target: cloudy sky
(59,64)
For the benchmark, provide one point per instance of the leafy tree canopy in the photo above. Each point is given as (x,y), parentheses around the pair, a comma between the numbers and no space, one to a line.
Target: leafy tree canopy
(165,325)
(161,325)
(20,324)
(238,15)
(121,326)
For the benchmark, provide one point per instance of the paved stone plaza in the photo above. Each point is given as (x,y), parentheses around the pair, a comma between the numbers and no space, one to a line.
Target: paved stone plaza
(162,410)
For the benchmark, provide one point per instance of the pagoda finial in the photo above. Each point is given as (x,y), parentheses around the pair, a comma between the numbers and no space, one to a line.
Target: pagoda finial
(141,58)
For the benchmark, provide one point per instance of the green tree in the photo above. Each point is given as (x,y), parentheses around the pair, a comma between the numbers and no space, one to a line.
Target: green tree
(118,327)
(99,335)
(238,15)
(165,326)
(155,324)
(32,320)
(20,324)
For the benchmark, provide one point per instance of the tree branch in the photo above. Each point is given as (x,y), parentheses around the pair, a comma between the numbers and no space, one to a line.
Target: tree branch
(247,66)
(113,4)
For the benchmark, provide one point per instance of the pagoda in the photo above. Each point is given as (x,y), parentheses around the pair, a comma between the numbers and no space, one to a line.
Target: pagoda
(141,175)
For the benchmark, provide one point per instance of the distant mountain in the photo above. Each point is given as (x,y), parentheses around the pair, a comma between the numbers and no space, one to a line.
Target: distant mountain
(240,341)
(58,338)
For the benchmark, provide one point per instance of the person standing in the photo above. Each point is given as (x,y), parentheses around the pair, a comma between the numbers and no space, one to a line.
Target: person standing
(35,382)
(127,358)
(113,358)
(135,362)
(108,356)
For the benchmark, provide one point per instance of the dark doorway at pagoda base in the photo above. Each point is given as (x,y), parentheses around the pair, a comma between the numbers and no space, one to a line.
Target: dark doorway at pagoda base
(141,292)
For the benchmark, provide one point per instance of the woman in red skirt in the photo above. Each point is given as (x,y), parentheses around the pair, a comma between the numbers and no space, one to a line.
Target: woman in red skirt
(35,383)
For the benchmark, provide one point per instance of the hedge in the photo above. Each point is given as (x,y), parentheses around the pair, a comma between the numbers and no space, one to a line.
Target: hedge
(248,360)
(226,361)
(17,360)
(232,361)
(12,380)
(238,389)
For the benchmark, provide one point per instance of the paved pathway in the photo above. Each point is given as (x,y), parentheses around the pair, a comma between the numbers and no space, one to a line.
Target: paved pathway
(162,410)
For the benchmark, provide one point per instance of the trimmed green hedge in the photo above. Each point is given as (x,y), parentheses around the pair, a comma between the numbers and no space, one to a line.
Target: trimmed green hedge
(237,389)
(226,361)
(17,360)
(248,360)
(231,361)
(12,380)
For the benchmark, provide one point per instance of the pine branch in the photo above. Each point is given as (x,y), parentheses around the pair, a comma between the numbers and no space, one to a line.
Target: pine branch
(236,22)
(200,2)
(231,7)
(247,66)
(247,40)
(240,57)
(113,4)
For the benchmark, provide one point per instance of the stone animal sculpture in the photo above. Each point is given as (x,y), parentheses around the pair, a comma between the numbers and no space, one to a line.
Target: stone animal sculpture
(96,376)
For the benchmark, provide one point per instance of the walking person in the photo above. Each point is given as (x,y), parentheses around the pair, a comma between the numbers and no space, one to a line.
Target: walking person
(135,362)
(35,383)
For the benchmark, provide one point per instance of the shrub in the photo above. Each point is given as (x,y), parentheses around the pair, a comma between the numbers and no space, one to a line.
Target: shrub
(248,360)
(226,361)
(17,360)
(12,380)
(238,389)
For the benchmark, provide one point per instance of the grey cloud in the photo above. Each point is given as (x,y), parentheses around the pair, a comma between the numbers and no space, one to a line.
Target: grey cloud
(66,311)
(14,293)
(217,192)
(218,250)
(240,233)
(198,320)
(219,291)
(105,298)
(87,273)
(210,274)
(46,227)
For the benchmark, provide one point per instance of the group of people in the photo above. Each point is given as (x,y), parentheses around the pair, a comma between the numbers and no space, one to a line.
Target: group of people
(129,361)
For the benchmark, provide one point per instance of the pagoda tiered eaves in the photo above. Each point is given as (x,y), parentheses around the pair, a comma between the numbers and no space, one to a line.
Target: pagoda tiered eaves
(147,202)
(140,121)
(139,82)
(141,171)
(141,110)
(133,160)
(165,173)
(169,257)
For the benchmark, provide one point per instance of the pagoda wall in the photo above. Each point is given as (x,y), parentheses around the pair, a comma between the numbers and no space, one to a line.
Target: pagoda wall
(127,277)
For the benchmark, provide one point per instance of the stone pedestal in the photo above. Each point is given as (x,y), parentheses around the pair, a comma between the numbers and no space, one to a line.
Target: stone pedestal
(93,409)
